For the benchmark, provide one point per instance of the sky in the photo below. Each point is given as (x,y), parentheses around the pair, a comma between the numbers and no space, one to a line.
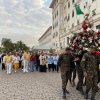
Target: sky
(24,20)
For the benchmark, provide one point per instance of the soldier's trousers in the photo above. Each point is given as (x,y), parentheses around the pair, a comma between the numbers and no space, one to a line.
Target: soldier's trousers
(80,80)
(65,76)
(91,83)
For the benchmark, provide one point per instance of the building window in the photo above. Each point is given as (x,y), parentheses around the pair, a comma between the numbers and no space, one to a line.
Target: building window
(60,44)
(68,4)
(53,26)
(57,23)
(73,1)
(78,22)
(68,17)
(65,30)
(98,27)
(56,34)
(56,44)
(93,12)
(65,18)
(57,12)
(64,7)
(73,13)
(68,40)
(53,36)
(53,17)
(72,25)
(93,0)
(85,4)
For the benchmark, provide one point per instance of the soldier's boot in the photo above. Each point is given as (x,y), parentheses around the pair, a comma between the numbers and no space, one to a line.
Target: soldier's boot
(67,91)
(97,89)
(86,94)
(93,98)
(82,92)
(64,93)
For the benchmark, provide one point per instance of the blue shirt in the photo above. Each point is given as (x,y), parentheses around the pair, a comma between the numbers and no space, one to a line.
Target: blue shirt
(49,60)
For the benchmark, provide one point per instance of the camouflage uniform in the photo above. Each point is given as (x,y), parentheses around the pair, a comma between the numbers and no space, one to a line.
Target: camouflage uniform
(64,63)
(98,69)
(89,64)
(79,86)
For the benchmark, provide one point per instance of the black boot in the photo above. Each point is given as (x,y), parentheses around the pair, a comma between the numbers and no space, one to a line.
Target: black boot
(67,91)
(93,98)
(86,94)
(64,93)
(81,91)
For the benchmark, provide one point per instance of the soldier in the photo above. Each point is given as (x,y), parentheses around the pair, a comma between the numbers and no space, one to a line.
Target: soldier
(89,64)
(72,70)
(78,57)
(64,64)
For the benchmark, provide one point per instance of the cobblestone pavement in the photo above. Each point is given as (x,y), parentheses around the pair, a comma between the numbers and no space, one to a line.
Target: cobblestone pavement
(34,86)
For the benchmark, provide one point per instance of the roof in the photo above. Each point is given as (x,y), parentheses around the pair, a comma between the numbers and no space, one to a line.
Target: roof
(45,32)
(42,47)
(52,3)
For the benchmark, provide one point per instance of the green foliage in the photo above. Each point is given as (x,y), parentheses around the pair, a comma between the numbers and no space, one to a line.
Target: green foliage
(9,46)
(51,50)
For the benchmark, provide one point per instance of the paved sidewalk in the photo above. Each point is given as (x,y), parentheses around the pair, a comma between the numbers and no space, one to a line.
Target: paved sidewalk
(34,86)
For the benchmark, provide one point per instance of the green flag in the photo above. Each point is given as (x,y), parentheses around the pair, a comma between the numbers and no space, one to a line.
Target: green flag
(78,10)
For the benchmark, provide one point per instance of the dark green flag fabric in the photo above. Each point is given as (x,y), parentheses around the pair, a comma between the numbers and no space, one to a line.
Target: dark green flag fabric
(78,10)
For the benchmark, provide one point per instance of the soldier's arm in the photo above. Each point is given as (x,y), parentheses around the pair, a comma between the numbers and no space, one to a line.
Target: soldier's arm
(98,59)
(83,62)
(59,60)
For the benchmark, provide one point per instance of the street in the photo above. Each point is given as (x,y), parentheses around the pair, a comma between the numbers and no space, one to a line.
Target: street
(35,86)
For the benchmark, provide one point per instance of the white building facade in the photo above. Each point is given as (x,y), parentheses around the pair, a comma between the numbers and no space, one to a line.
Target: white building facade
(45,41)
(64,14)
(57,20)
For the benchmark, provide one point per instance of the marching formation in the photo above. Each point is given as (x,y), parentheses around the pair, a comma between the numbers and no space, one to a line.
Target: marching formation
(87,66)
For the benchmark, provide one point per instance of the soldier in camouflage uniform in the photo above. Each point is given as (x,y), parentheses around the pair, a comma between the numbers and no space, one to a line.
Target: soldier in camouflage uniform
(64,64)
(98,68)
(89,64)
(78,57)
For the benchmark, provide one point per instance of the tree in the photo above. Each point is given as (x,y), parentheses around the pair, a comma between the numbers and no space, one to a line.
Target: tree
(51,50)
(7,45)
(21,45)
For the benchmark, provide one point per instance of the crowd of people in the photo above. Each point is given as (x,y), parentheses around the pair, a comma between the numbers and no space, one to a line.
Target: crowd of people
(71,63)
(29,62)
